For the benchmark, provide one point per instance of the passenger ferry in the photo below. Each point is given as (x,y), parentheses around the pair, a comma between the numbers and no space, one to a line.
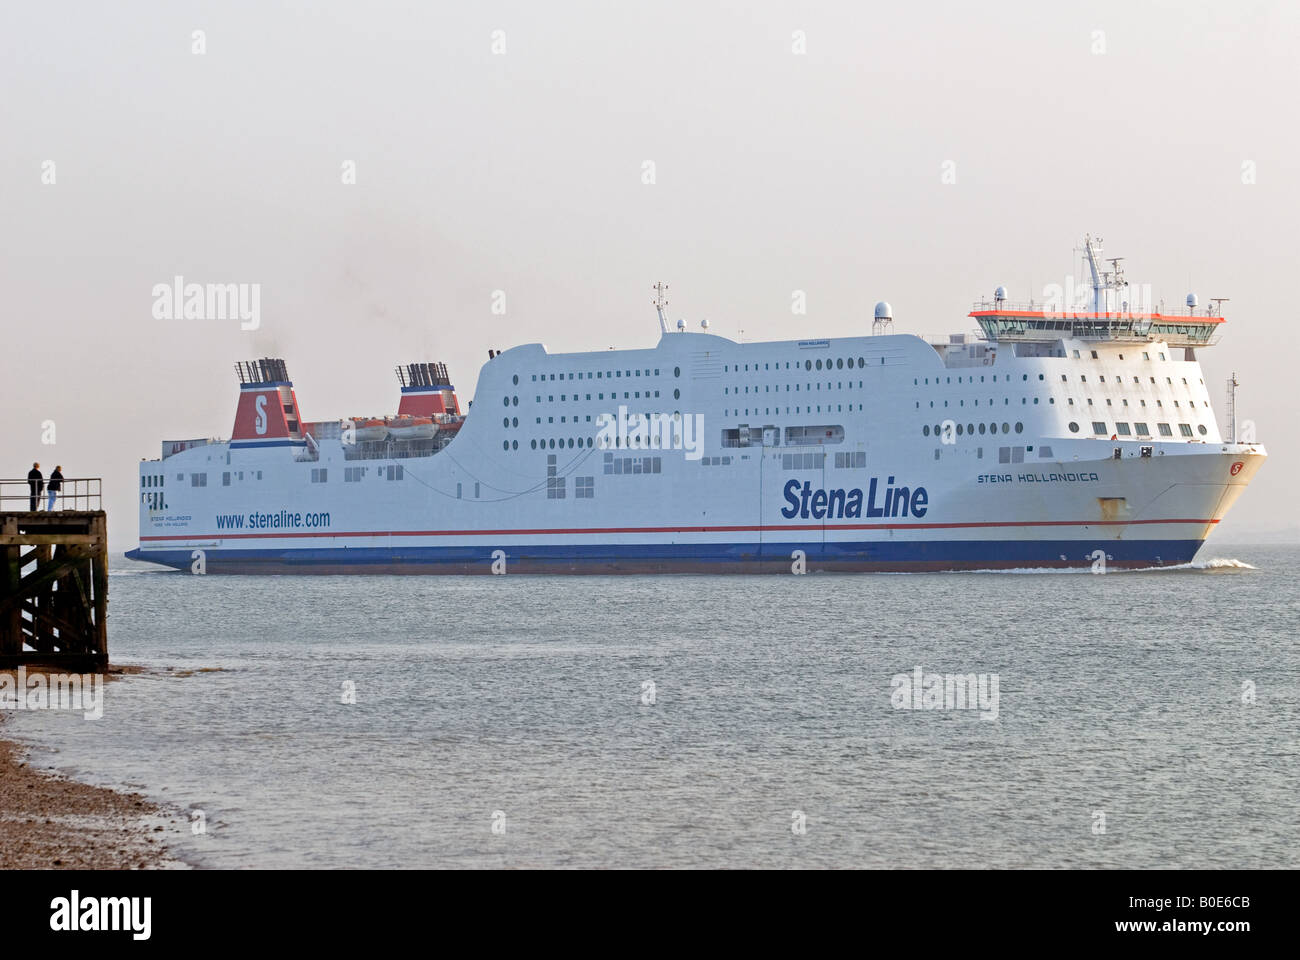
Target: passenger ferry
(1060,435)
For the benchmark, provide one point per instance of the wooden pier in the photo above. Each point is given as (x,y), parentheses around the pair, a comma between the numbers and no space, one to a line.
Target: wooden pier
(53,579)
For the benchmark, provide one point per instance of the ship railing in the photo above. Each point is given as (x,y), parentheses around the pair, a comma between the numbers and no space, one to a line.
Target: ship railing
(75,493)
(973,335)
(173,447)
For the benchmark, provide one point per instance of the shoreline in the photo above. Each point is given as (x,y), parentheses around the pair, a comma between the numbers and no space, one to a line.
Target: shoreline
(49,821)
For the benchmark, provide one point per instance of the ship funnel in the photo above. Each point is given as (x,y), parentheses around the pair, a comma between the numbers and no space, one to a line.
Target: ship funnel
(426,390)
(267,415)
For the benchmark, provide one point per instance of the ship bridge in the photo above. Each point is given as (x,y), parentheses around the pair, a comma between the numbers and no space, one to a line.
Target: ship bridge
(1023,323)
(1107,314)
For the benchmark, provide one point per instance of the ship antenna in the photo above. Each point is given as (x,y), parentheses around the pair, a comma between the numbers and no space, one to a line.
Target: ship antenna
(660,301)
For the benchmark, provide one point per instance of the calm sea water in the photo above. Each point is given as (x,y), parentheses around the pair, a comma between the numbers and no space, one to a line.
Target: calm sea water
(518,701)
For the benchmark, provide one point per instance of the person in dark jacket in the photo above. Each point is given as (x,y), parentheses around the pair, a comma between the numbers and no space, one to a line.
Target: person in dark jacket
(35,484)
(54,486)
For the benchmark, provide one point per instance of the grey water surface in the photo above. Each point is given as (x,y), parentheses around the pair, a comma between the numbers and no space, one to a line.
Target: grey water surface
(1126,734)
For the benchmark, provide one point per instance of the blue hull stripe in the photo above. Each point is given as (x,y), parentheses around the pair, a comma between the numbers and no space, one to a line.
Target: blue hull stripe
(882,555)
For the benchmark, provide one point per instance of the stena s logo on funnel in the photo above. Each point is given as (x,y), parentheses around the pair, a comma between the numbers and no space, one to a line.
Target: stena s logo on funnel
(259,424)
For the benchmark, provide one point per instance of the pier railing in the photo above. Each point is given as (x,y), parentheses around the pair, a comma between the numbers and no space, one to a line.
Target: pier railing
(75,493)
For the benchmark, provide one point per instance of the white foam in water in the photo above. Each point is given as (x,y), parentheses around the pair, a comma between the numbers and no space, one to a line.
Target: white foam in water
(1218,563)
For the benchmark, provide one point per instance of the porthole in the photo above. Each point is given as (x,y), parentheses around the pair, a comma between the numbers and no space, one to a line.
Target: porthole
(981,429)
(677,371)
(839,363)
(1006,428)
(677,394)
(819,364)
(514,401)
(807,364)
(516,378)
(937,429)
(993,428)
(505,401)
(959,429)
(534,444)
(970,428)
(1074,427)
(505,422)
(1202,429)
(505,444)
(514,444)
(862,361)
(925,431)
(571,443)
(514,421)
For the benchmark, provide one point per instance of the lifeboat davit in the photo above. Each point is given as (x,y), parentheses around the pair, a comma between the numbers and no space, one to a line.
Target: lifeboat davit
(412,428)
(364,430)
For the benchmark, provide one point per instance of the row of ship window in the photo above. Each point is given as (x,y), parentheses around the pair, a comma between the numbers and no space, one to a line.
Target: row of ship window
(1122,429)
(971,428)
(564,397)
(1006,401)
(597,375)
(357,474)
(767,411)
(839,363)
(151,481)
(768,388)
(1140,429)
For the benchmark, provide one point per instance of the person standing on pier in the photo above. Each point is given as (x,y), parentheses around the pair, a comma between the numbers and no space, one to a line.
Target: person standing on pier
(54,486)
(35,484)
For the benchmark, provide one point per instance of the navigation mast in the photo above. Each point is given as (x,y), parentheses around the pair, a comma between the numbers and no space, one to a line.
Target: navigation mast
(660,301)
(1103,280)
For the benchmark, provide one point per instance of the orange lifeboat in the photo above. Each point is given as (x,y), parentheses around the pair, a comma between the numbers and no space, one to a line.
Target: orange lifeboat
(364,430)
(412,428)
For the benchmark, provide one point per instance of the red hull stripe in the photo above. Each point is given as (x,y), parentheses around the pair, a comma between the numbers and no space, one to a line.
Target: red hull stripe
(725,529)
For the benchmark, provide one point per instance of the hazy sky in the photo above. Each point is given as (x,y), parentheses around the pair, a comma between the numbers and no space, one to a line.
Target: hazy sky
(522,171)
